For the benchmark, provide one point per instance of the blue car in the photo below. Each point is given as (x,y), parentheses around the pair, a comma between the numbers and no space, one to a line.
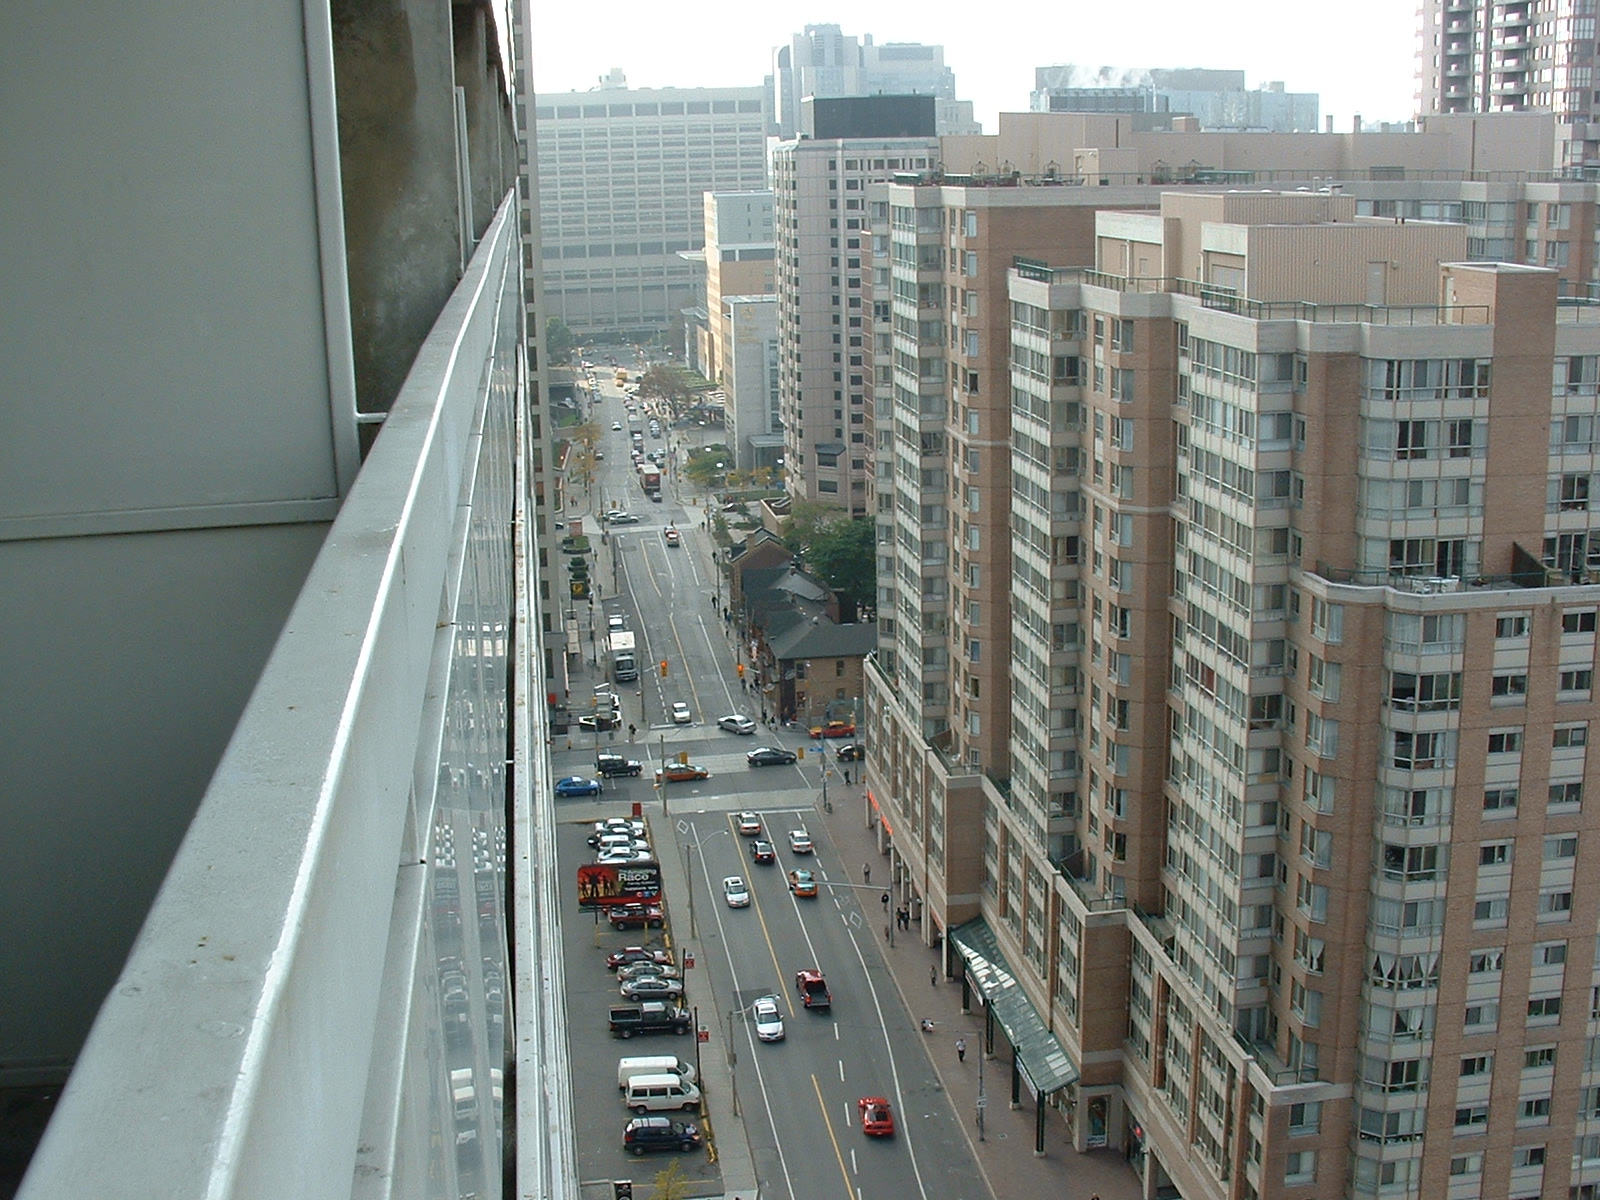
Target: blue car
(577,785)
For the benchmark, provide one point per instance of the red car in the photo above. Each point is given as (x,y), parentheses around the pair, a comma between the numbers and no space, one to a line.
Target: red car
(635,954)
(635,916)
(834,729)
(877,1118)
(813,989)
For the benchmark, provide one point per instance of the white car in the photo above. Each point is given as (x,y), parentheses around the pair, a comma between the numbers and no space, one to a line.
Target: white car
(681,714)
(768,1019)
(622,518)
(735,892)
(616,621)
(800,842)
(616,426)
(735,723)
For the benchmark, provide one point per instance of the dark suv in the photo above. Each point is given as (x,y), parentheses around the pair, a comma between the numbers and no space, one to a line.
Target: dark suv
(611,765)
(643,1134)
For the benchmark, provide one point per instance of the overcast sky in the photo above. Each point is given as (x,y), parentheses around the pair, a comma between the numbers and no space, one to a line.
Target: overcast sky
(1359,54)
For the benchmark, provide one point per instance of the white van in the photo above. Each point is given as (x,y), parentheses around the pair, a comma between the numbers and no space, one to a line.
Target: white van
(652,1064)
(657,1093)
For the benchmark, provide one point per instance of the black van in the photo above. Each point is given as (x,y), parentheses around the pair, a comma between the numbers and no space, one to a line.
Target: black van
(659,1133)
(610,765)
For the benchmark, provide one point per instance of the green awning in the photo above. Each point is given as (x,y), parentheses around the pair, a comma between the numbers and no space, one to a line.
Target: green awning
(1044,1060)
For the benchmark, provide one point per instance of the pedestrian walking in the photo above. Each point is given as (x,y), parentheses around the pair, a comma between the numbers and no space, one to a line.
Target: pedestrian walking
(866,873)
(961,1049)
(933,976)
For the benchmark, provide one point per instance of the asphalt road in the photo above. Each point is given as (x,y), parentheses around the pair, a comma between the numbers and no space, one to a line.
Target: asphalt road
(796,1099)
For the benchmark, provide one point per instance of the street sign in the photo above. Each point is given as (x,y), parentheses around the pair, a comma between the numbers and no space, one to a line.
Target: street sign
(705,1035)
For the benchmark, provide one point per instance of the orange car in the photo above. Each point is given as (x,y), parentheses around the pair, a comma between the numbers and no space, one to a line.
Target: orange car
(834,729)
(801,883)
(682,773)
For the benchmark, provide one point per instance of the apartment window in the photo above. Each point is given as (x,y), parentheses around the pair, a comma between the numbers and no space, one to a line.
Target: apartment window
(1538,1058)
(1509,687)
(1411,864)
(1481,1015)
(1500,800)
(1566,795)
(1555,905)
(1550,954)
(1505,741)
(1466,1164)
(1527,1156)
(1576,681)
(1305,1118)
(1491,911)
(1476,1064)
(1327,621)
(1494,854)
(1439,692)
(1578,621)
(1514,626)
(1486,962)
(1300,1168)
(1419,750)
(1561,846)
(1472,1116)
(1534,1110)
(1565,737)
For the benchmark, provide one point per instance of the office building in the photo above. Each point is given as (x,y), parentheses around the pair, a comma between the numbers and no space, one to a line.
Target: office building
(622,179)
(750,381)
(820,183)
(1293,571)
(738,261)
(1216,99)
(824,64)
(1474,56)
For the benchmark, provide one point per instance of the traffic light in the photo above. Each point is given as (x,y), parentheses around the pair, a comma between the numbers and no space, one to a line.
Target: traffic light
(740,670)
(663,668)
(622,1189)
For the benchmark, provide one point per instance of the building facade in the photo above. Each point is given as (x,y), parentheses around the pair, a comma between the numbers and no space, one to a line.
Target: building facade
(820,184)
(1481,56)
(1282,842)
(1216,99)
(623,175)
(750,381)
(739,255)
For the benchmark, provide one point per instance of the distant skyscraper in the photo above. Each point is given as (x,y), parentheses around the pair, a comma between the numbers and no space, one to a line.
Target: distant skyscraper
(820,183)
(1217,99)
(824,63)
(1478,56)
(622,176)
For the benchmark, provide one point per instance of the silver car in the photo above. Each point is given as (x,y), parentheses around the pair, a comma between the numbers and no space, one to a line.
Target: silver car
(768,1020)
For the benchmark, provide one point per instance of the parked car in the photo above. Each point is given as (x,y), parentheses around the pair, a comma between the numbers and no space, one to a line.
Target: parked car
(877,1118)
(770,756)
(651,987)
(614,825)
(637,954)
(800,842)
(761,851)
(735,892)
(736,723)
(834,729)
(802,883)
(768,1019)
(635,916)
(643,1134)
(681,773)
(577,785)
(639,970)
(680,713)
(851,752)
(626,854)
(749,824)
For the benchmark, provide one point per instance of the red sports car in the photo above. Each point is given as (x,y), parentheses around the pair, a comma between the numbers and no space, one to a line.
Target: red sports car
(877,1118)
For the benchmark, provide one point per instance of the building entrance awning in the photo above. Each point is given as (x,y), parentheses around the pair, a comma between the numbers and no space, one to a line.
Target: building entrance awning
(1044,1060)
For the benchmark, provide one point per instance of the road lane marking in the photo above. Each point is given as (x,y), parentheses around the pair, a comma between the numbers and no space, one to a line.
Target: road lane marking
(832,1137)
(766,936)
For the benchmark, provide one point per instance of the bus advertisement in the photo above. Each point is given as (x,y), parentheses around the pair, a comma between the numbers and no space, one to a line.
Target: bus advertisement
(600,885)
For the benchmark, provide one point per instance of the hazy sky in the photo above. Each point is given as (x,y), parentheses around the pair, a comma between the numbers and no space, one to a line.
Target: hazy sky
(1359,54)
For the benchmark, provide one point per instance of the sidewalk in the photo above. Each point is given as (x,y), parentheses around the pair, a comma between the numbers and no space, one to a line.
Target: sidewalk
(1005,1156)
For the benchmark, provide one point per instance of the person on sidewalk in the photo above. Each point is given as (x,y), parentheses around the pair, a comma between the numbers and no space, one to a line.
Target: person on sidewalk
(933,976)
(866,873)
(961,1049)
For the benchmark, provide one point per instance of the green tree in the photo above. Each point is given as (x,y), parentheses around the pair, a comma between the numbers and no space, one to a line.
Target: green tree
(672,1183)
(842,555)
(559,341)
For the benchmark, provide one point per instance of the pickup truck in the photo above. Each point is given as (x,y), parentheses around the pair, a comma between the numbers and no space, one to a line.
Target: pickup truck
(813,989)
(653,1016)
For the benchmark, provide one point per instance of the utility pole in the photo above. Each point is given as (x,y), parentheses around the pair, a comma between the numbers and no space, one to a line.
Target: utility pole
(662,784)
(983,1101)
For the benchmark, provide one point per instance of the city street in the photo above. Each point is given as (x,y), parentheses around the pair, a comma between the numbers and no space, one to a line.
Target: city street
(783,1115)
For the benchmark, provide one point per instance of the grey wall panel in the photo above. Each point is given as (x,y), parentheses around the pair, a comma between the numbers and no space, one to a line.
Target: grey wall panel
(164,338)
(125,664)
